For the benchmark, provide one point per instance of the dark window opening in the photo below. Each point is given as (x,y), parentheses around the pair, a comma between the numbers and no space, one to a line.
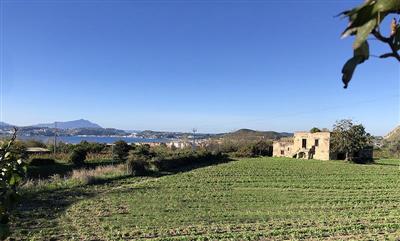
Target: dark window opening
(282,152)
(304,143)
(341,156)
(316,142)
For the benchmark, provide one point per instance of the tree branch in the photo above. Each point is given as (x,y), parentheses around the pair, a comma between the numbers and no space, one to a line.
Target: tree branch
(389,41)
(383,56)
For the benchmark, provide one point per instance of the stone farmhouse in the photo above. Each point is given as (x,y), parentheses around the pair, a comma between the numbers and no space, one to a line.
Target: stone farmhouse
(304,145)
(307,145)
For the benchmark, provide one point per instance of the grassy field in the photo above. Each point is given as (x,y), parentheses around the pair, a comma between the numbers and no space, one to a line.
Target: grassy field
(262,198)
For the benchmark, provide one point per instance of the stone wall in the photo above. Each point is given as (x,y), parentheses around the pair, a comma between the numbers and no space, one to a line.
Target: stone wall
(317,146)
(282,149)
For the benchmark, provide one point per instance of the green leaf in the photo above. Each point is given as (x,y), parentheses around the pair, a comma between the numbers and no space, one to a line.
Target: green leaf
(387,5)
(363,32)
(15,179)
(349,68)
(362,51)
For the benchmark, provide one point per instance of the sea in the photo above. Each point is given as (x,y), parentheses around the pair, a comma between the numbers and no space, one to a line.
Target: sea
(99,139)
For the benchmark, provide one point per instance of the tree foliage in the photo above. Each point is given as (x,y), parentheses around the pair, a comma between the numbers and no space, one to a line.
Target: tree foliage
(365,20)
(12,173)
(78,156)
(121,150)
(315,130)
(349,138)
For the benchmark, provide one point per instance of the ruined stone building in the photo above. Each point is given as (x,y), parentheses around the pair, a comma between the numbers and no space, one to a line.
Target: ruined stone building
(304,145)
(307,145)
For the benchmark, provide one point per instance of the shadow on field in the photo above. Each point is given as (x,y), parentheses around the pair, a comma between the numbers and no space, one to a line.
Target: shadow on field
(191,167)
(387,164)
(62,169)
(38,213)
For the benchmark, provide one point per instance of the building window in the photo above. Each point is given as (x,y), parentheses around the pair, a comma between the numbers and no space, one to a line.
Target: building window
(304,143)
(316,142)
(282,152)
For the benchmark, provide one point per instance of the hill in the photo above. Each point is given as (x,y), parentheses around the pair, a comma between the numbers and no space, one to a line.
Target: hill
(252,135)
(3,124)
(75,124)
(394,135)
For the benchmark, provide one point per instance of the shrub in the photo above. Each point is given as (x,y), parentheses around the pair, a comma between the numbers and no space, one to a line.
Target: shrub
(263,148)
(260,148)
(42,162)
(78,156)
(136,164)
(13,171)
(246,151)
(185,158)
(315,130)
(93,147)
(136,167)
(121,150)
(34,143)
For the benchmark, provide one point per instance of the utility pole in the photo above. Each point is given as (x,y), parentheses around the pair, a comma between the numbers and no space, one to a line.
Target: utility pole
(194,138)
(55,139)
(112,153)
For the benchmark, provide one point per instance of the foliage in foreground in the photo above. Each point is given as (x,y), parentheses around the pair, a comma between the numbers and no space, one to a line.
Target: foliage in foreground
(364,20)
(12,173)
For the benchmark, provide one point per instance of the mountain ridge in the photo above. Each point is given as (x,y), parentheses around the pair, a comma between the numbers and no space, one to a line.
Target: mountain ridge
(3,124)
(251,135)
(74,124)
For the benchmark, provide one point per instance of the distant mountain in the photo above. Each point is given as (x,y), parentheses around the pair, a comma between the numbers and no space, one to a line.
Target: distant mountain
(252,135)
(394,135)
(3,124)
(75,124)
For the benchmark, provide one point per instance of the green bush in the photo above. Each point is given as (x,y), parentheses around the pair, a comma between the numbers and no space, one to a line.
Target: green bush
(185,158)
(13,170)
(144,159)
(260,148)
(92,147)
(78,156)
(121,150)
(136,167)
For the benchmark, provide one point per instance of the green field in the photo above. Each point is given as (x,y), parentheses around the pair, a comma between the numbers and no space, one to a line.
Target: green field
(261,198)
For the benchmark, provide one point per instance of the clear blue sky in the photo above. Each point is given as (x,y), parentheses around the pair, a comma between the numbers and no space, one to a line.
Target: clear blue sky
(175,65)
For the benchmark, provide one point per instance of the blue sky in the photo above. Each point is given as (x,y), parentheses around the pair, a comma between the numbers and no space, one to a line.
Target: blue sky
(174,65)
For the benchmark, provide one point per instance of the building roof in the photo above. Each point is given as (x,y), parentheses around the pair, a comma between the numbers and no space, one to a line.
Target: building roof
(36,149)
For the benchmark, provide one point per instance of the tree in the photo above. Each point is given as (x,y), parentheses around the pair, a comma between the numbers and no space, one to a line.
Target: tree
(315,130)
(365,20)
(349,138)
(78,156)
(92,147)
(13,171)
(121,150)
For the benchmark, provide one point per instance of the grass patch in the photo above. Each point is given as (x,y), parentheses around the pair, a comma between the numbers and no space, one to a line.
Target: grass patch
(249,199)
(63,168)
